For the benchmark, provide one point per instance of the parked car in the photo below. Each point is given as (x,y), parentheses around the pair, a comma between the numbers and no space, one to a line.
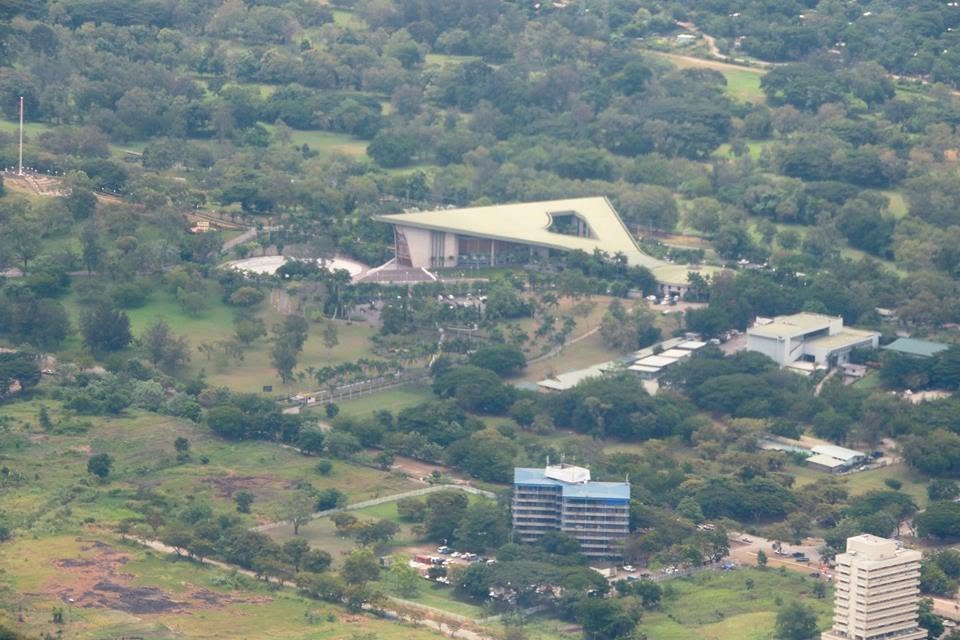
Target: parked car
(746,539)
(629,567)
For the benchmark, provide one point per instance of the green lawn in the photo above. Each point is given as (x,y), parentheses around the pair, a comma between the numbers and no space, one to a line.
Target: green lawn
(61,494)
(443,59)
(743,83)
(29,128)
(440,597)
(914,484)
(325,142)
(345,18)
(713,606)
(754,147)
(719,606)
(215,323)
(392,400)
(898,204)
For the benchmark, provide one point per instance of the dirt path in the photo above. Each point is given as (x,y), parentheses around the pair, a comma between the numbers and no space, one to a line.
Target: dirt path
(451,630)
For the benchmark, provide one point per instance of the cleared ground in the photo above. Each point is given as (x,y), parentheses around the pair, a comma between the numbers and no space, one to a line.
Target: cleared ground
(109,589)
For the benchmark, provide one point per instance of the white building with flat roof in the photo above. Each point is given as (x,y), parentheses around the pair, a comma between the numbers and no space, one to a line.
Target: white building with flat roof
(809,338)
(878,589)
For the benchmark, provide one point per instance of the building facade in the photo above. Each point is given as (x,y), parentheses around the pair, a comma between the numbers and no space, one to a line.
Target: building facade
(878,589)
(808,339)
(563,498)
(518,233)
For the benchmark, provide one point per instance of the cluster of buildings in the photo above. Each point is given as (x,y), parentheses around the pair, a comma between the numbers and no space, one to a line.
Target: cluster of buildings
(823,457)
(649,363)
(877,581)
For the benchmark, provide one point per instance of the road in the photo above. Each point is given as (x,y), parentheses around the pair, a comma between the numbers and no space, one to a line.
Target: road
(746,553)
(453,631)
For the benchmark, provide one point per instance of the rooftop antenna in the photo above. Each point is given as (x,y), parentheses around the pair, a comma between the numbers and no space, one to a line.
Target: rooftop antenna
(20,165)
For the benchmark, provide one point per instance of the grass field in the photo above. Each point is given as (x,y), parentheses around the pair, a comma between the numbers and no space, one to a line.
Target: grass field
(325,142)
(60,493)
(215,323)
(392,400)
(754,147)
(714,606)
(109,589)
(719,606)
(29,128)
(743,83)
(443,59)
(914,484)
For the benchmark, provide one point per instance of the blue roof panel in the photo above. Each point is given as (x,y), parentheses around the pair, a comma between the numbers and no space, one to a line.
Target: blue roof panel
(598,490)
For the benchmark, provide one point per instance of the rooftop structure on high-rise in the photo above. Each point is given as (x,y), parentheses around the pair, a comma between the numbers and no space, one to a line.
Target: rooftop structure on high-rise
(563,498)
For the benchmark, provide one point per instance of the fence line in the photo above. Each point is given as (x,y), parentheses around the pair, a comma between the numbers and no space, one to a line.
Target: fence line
(391,498)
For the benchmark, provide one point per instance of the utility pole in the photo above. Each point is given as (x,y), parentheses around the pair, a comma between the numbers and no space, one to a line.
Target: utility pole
(20,165)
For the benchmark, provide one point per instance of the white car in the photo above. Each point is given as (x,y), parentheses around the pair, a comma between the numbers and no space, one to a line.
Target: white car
(746,539)
(629,568)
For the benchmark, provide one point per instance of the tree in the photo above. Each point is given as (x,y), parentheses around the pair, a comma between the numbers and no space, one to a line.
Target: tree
(18,367)
(939,520)
(483,526)
(283,356)
(100,465)
(330,498)
(376,533)
(411,509)
(311,441)
(81,203)
(445,509)
(296,551)
(105,328)
(246,329)
(244,500)
(503,359)
(403,580)
(605,619)
(164,349)
(330,339)
(360,567)
(299,509)
(928,620)
(796,621)
(762,559)
(246,297)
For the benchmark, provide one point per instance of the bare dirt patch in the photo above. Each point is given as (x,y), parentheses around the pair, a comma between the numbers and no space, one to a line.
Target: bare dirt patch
(227,486)
(97,581)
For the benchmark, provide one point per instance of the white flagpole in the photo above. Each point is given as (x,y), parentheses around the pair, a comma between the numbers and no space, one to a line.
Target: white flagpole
(20,166)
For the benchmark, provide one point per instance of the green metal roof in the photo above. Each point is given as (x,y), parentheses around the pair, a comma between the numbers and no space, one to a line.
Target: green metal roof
(916,347)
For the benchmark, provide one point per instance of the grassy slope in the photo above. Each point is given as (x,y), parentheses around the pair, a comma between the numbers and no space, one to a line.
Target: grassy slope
(232,607)
(142,447)
(216,324)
